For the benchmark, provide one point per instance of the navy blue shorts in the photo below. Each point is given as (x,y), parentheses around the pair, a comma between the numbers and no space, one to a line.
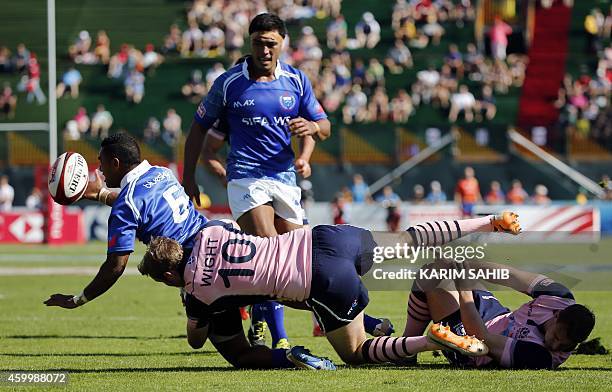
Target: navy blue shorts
(488,307)
(340,254)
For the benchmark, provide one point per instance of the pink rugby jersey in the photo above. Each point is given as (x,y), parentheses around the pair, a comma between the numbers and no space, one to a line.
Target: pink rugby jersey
(522,324)
(228,262)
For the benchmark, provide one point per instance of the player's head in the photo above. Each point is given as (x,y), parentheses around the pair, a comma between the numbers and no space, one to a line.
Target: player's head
(161,261)
(119,153)
(267,33)
(570,326)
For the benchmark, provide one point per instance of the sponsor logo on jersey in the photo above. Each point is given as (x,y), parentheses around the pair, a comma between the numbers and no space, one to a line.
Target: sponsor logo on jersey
(245,103)
(287,101)
(353,306)
(251,121)
(160,177)
(201,109)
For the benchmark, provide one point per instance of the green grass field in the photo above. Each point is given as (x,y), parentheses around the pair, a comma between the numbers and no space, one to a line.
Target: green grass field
(133,338)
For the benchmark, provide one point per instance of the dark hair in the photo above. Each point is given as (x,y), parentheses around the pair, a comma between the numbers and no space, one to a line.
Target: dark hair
(122,146)
(267,22)
(578,321)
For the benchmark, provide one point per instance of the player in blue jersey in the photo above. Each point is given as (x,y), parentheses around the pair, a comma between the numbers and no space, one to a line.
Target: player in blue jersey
(152,203)
(260,104)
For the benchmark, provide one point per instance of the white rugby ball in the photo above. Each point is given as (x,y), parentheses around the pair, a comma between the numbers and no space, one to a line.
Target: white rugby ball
(68,178)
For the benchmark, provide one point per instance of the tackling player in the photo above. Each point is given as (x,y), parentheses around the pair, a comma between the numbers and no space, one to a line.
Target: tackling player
(152,203)
(317,269)
(541,334)
(262,103)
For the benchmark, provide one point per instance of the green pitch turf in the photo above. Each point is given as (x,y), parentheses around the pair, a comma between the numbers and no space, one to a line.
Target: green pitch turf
(133,338)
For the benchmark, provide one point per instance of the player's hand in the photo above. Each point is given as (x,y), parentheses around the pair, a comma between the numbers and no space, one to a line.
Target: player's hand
(303,167)
(61,300)
(93,187)
(191,189)
(301,127)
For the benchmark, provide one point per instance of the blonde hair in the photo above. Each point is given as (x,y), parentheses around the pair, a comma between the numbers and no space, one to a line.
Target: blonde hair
(163,254)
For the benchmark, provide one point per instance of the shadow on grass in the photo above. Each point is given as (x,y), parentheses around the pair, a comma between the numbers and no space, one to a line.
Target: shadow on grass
(131,370)
(92,337)
(152,354)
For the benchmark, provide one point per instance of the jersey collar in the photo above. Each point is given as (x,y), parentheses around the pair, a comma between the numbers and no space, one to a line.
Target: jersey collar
(136,172)
(245,69)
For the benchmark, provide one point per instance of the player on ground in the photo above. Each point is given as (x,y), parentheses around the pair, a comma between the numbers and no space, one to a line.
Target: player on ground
(152,203)
(262,103)
(317,269)
(541,334)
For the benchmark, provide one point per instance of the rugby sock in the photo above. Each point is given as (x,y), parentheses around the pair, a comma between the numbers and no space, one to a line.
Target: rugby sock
(257,313)
(389,349)
(280,360)
(418,316)
(275,317)
(370,323)
(442,232)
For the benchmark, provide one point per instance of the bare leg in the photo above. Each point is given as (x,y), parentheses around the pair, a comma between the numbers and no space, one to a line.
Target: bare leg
(259,221)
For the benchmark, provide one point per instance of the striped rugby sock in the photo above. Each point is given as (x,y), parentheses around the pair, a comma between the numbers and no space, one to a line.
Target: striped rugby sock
(418,316)
(389,349)
(438,233)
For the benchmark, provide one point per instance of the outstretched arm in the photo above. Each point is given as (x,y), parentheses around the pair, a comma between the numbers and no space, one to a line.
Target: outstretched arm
(108,274)
(193,149)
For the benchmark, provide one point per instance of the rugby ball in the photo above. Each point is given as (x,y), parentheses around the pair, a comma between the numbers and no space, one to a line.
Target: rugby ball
(68,178)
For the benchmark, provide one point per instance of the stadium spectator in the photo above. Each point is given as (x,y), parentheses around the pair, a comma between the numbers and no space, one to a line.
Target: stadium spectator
(401,107)
(101,122)
(443,90)
(432,29)
(355,108)
(495,194)
(6,66)
(8,102)
(172,41)
(427,81)
(390,201)
(152,131)
(214,42)
(467,192)
(436,195)
(234,40)
(134,86)
(498,34)
(7,194)
(172,127)
(21,58)
(418,194)
(117,66)
(337,32)
(593,26)
(375,74)
(540,195)
(213,73)
(338,207)
(516,194)
(378,107)
(102,50)
(81,45)
(71,80)
(82,120)
(195,88)
(192,41)
(151,59)
(454,59)
(462,101)
(486,104)
(367,31)
(398,58)
(31,82)
(359,191)
(34,199)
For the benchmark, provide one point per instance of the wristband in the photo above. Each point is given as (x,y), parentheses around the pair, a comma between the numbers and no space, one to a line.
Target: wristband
(80,299)
(103,195)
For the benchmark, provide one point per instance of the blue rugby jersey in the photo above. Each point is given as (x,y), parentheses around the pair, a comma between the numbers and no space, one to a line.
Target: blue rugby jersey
(152,203)
(255,118)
